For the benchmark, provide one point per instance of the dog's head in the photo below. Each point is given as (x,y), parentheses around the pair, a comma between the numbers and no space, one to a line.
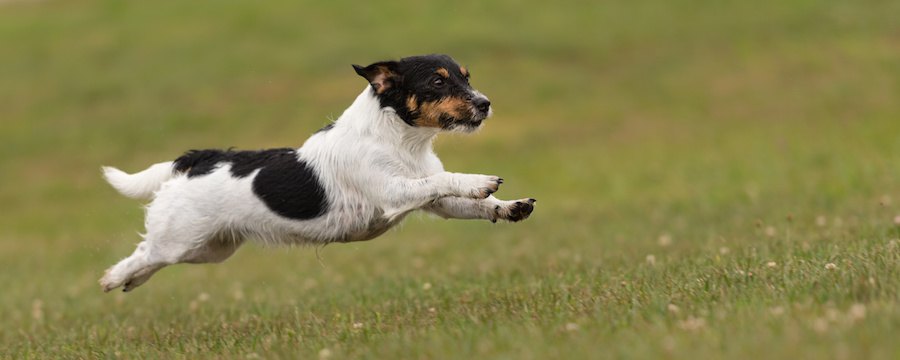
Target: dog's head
(428,91)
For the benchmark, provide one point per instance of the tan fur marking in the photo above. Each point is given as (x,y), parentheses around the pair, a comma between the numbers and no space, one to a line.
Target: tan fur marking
(464,71)
(430,112)
(411,103)
(443,72)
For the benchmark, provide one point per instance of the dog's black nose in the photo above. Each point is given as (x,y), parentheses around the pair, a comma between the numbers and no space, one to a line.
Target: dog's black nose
(482,104)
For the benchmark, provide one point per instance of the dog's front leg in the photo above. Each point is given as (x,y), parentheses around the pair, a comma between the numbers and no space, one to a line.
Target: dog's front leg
(491,208)
(403,195)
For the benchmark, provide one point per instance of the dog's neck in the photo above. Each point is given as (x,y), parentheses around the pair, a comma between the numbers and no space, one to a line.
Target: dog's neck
(366,118)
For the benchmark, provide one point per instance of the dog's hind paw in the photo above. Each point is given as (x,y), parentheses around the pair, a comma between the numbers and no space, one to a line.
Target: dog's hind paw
(109,282)
(108,286)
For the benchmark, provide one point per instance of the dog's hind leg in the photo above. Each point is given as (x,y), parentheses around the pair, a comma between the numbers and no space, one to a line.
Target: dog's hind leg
(171,238)
(180,229)
(212,251)
(147,259)
(141,263)
(160,249)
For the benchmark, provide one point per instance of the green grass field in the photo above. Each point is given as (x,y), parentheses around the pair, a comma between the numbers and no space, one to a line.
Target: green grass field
(717,179)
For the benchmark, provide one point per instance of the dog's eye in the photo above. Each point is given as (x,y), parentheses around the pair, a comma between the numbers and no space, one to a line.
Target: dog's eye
(438,82)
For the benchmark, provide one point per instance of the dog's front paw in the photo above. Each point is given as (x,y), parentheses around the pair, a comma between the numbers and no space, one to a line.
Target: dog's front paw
(478,186)
(516,210)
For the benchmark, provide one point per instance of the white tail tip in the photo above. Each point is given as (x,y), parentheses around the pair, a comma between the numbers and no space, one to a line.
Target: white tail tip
(140,185)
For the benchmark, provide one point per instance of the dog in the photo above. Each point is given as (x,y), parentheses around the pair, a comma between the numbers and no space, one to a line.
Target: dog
(351,181)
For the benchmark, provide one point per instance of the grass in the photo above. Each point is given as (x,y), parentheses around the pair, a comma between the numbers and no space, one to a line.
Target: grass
(717,179)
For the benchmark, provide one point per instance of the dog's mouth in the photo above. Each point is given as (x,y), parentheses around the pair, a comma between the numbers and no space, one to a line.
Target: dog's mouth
(470,125)
(475,121)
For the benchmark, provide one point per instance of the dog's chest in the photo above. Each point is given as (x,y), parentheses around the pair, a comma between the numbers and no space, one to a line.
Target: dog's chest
(369,208)
(420,165)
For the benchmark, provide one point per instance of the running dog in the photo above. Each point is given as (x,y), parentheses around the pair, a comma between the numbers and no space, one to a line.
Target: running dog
(350,181)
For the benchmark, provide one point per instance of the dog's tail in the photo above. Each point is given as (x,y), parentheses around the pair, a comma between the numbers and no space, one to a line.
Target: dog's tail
(140,185)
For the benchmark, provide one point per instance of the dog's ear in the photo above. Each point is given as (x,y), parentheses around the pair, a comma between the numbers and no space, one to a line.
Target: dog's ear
(382,75)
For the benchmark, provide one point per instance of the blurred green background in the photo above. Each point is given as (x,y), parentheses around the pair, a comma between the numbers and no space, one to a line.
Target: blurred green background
(675,146)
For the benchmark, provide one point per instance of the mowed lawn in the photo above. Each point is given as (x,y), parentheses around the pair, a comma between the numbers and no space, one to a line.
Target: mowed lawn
(716,179)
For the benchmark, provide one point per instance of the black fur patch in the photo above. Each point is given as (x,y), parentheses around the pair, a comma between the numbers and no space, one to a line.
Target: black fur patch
(285,183)
(202,162)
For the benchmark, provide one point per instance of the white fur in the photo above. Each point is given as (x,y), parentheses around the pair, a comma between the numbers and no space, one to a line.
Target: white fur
(140,185)
(374,168)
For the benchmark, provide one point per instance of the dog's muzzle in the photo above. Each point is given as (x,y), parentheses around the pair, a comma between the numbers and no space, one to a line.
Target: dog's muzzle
(482,105)
(481,109)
